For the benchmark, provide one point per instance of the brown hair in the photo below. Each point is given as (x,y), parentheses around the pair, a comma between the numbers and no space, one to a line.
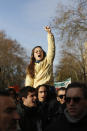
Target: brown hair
(30,69)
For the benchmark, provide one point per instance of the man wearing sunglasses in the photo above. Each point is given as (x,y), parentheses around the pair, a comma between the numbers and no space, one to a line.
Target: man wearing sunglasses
(61,95)
(61,92)
(75,114)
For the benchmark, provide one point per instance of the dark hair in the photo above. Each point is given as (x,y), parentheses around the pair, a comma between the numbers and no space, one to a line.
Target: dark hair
(30,68)
(12,93)
(51,92)
(61,89)
(46,86)
(11,90)
(25,90)
(83,86)
(4,92)
(47,90)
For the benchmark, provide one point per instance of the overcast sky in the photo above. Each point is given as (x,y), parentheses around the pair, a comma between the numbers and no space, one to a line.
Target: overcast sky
(24,20)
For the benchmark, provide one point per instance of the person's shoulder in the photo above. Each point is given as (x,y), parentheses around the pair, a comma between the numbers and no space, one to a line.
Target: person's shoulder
(20,109)
(58,124)
(52,127)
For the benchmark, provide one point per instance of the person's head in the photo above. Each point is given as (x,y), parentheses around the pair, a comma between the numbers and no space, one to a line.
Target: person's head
(38,53)
(76,99)
(12,93)
(61,92)
(28,96)
(42,91)
(8,114)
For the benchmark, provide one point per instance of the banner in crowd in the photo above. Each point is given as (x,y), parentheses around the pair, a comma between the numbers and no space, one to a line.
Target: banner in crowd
(63,83)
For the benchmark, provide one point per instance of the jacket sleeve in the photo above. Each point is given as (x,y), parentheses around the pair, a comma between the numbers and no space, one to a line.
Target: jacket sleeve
(28,81)
(51,47)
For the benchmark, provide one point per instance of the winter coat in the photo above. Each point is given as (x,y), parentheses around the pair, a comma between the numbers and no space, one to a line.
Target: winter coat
(43,69)
(63,124)
(30,119)
(49,111)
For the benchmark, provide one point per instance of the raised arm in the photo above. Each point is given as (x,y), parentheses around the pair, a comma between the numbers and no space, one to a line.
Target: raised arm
(48,29)
(51,45)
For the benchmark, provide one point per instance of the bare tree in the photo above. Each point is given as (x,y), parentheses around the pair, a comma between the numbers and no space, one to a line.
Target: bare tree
(70,24)
(13,60)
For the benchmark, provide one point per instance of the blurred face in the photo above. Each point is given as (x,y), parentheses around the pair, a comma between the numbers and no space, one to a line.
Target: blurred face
(8,114)
(42,94)
(61,96)
(38,53)
(75,102)
(30,101)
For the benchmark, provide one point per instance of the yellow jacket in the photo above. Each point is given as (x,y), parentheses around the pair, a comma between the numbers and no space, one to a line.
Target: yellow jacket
(44,69)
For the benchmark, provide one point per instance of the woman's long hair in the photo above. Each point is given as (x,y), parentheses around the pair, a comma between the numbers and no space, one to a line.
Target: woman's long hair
(30,69)
(47,90)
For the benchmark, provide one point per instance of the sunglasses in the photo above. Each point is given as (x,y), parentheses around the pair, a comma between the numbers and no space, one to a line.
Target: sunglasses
(74,99)
(61,96)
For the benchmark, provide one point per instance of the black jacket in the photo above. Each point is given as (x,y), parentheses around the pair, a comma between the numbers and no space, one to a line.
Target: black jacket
(62,124)
(30,119)
(49,111)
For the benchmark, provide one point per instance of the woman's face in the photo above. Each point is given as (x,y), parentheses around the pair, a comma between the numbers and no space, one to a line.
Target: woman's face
(38,54)
(42,94)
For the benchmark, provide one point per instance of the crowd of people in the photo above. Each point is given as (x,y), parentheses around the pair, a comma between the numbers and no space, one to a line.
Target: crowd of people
(38,106)
(42,109)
